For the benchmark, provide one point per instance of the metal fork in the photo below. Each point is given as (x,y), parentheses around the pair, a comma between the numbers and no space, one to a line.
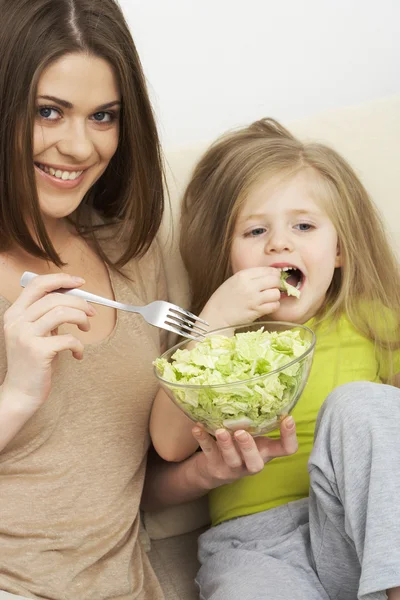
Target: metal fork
(158,313)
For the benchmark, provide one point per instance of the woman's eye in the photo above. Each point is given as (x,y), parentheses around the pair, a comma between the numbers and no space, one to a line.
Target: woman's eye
(49,113)
(103,117)
(304,226)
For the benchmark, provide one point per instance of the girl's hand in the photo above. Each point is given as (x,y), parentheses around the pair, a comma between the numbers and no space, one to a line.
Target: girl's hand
(229,458)
(32,339)
(244,297)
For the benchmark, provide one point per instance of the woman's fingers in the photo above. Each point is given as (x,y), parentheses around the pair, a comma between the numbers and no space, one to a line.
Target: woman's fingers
(206,443)
(54,300)
(248,448)
(288,435)
(59,316)
(234,452)
(228,458)
(228,449)
(283,446)
(58,343)
(44,284)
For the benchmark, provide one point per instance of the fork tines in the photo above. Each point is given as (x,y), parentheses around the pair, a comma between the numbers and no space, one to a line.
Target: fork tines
(197,337)
(184,323)
(181,311)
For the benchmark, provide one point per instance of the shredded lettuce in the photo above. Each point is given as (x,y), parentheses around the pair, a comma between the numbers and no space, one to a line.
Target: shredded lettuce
(286,287)
(219,359)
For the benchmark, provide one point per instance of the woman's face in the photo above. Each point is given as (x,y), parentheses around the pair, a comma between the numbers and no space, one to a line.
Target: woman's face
(76,130)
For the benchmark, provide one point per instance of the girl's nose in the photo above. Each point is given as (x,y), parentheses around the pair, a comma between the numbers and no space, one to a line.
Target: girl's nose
(76,143)
(278,242)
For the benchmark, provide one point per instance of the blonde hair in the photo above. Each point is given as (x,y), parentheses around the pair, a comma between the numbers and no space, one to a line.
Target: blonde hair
(219,186)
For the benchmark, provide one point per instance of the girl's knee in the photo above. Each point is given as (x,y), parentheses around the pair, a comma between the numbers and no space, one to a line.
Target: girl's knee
(362,399)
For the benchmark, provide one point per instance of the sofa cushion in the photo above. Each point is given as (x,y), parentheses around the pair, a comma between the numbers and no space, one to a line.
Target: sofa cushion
(177,520)
(175,563)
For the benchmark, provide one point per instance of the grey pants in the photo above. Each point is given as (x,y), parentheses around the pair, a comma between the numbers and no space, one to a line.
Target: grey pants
(341,543)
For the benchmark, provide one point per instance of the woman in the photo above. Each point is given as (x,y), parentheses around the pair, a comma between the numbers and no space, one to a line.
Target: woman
(81,195)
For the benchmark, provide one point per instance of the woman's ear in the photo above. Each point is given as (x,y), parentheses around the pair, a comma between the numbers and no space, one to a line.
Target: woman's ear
(338,260)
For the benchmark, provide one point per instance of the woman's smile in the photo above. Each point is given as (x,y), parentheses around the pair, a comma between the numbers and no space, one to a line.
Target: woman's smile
(61,177)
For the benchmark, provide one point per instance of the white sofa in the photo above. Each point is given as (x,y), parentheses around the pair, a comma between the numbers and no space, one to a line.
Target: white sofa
(369,137)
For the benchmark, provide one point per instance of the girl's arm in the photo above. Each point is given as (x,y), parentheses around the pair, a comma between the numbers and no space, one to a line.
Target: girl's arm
(219,462)
(242,298)
(171,430)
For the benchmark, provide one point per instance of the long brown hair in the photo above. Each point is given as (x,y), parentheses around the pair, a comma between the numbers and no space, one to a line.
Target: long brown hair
(223,178)
(33,34)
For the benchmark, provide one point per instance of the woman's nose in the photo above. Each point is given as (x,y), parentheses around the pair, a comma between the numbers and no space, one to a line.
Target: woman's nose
(76,143)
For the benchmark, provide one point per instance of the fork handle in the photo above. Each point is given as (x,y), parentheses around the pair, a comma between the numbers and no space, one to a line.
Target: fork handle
(28,276)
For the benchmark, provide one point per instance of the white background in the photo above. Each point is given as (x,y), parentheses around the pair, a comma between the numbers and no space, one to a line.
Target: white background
(215,64)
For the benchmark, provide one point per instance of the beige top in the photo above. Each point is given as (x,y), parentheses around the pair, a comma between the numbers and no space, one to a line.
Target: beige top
(71,480)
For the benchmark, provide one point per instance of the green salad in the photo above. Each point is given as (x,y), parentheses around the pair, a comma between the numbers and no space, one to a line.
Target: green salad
(222,360)
(286,287)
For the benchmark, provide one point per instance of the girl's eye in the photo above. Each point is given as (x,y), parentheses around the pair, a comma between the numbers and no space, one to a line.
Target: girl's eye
(103,117)
(49,113)
(256,231)
(304,226)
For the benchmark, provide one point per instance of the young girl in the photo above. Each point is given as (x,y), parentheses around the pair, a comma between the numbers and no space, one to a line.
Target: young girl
(260,201)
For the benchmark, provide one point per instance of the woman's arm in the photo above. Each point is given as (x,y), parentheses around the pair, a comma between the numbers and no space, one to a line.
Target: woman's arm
(13,415)
(220,461)
(32,342)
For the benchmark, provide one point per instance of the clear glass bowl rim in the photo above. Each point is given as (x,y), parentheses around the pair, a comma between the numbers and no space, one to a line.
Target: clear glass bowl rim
(241,381)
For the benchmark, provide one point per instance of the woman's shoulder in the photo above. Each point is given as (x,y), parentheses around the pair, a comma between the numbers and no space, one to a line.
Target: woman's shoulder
(115,238)
(9,282)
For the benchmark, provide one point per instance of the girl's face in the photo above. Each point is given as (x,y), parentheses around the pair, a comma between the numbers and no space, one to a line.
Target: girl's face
(282,226)
(76,130)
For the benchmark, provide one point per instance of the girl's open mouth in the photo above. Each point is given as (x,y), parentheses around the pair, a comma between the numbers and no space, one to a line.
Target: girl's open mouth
(295,277)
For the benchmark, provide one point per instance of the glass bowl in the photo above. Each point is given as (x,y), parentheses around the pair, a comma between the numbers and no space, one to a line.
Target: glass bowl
(256,404)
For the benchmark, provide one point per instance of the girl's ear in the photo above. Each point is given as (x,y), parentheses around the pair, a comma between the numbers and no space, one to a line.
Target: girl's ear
(338,260)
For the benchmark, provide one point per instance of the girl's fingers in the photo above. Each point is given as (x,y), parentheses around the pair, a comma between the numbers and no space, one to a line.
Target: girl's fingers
(271,295)
(59,316)
(267,309)
(251,456)
(228,449)
(44,284)
(263,272)
(54,300)
(272,280)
